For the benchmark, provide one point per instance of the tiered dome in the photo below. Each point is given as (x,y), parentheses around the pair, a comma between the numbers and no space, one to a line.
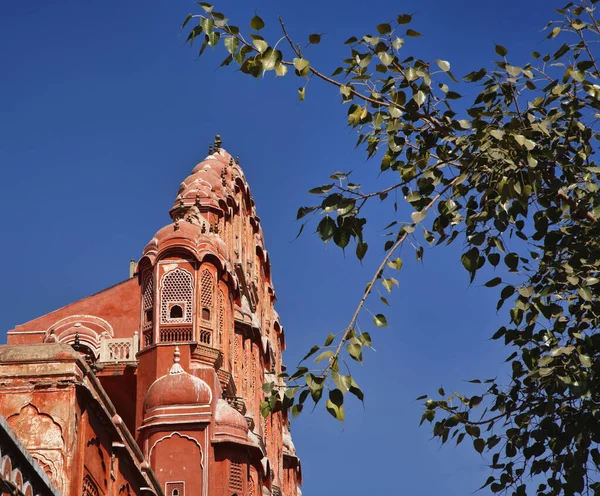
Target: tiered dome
(212,183)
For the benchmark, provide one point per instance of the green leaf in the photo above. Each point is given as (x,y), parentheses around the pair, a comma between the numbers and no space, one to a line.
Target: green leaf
(265,409)
(395,264)
(585,360)
(361,249)
(326,228)
(329,339)
(321,190)
(355,351)
(302,66)
(301,94)
(444,65)
(323,356)
(257,23)
(412,33)
(512,261)
(280,69)
(418,216)
(187,19)
(231,44)
(261,45)
(336,411)
(493,282)
(206,6)
(585,293)
(380,320)
(270,59)
(502,51)
(342,382)
(365,339)
(312,351)
(384,28)
(314,39)
(479,445)
(419,98)
(404,18)
(207,24)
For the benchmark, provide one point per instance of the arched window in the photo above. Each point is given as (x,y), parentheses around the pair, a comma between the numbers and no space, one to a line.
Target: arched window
(177,290)
(206,295)
(176,312)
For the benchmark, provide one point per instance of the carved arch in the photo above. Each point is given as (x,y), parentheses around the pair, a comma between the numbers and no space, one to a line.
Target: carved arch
(91,331)
(183,436)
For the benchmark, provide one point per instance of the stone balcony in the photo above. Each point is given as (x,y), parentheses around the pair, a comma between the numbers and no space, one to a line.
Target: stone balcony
(119,350)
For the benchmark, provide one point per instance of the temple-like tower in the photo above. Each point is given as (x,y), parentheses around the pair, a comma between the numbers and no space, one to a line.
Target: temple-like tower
(183,347)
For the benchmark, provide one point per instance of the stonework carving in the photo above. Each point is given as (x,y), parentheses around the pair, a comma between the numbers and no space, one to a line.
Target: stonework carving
(43,438)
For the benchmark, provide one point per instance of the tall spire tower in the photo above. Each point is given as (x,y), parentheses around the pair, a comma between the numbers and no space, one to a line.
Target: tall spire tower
(183,347)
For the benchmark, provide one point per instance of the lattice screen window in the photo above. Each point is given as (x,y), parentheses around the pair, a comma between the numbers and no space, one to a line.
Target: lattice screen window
(221,318)
(206,295)
(148,297)
(246,364)
(177,289)
(174,489)
(252,380)
(236,355)
(236,483)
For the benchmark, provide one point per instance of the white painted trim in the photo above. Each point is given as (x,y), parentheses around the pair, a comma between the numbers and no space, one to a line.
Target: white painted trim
(26,332)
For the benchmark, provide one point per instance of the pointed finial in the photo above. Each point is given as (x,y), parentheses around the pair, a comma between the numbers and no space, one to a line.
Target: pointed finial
(217,142)
(77,343)
(176,368)
(210,228)
(216,228)
(210,151)
(197,198)
(176,225)
(203,230)
(237,160)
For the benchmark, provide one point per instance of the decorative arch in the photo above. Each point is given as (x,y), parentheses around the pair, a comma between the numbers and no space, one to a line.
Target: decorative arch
(43,438)
(90,329)
(182,436)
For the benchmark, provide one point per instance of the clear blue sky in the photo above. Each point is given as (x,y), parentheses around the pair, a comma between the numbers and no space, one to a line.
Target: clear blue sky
(103,112)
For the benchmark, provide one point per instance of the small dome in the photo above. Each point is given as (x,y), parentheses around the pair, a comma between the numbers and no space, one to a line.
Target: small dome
(229,416)
(177,388)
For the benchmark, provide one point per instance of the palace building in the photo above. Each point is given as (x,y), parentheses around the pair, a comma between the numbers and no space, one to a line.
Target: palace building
(153,386)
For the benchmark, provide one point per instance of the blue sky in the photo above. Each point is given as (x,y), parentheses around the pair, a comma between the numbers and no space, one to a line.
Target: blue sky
(103,112)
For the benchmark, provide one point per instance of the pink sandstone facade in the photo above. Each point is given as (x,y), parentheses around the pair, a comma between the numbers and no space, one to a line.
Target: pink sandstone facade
(154,385)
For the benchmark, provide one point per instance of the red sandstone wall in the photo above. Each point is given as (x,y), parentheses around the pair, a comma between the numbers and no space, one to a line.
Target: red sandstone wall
(119,305)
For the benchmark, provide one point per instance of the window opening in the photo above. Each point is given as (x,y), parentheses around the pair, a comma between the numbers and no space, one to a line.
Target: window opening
(176,312)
